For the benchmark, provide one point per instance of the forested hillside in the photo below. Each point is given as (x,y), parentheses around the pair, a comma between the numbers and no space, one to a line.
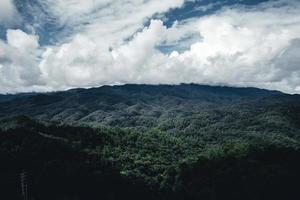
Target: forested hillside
(151,142)
(152,105)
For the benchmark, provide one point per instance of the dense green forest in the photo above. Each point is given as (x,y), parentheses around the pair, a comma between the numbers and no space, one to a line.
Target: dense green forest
(151,142)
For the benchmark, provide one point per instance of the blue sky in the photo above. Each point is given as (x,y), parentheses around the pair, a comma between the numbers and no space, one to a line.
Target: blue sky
(200,8)
(48,45)
(34,13)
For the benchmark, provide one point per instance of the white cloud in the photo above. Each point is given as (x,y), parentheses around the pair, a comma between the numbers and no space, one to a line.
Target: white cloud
(19,63)
(83,61)
(241,46)
(108,22)
(21,41)
(8,13)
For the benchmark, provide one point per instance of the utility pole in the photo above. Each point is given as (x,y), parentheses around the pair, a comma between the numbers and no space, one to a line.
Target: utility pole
(24,187)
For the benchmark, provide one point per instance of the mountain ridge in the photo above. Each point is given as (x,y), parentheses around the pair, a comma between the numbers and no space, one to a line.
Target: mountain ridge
(9,96)
(142,105)
(153,142)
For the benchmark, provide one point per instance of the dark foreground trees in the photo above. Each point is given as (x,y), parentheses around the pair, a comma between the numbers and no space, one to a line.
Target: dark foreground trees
(72,163)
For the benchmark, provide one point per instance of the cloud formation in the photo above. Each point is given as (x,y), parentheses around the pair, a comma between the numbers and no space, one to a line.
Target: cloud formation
(19,69)
(238,45)
(8,13)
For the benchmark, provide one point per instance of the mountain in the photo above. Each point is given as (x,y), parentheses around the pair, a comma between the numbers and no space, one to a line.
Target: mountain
(179,142)
(145,105)
(9,97)
(62,162)
(187,108)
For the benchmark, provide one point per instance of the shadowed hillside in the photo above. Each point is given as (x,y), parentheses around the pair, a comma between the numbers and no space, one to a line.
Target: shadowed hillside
(65,162)
(151,142)
(149,106)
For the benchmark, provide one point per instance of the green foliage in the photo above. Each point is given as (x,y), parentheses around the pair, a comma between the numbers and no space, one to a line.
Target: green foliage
(228,150)
(158,163)
(153,142)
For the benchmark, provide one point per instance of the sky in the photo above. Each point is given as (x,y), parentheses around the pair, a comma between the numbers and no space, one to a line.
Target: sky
(51,45)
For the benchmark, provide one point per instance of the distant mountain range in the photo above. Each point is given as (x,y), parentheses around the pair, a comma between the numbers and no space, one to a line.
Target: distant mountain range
(153,142)
(146,105)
